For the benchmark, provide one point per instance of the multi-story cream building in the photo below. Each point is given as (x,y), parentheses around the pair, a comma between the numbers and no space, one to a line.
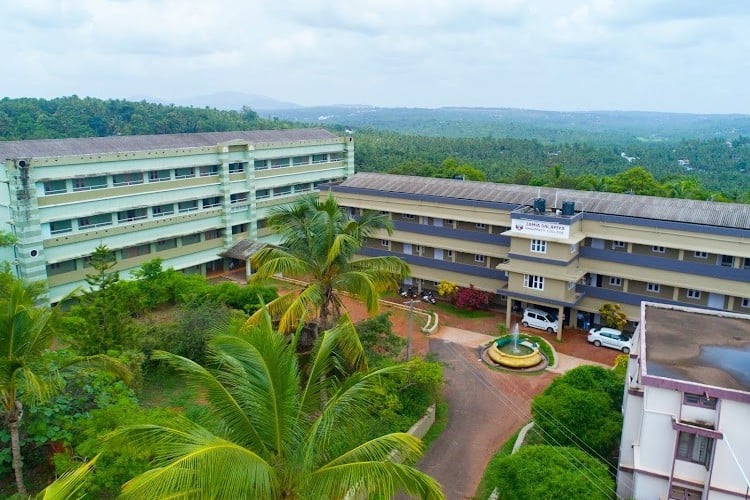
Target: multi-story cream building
(565,250)
(687,406)
(185,198)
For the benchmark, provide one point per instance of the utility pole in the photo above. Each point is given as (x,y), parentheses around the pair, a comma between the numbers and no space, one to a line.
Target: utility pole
(411,326)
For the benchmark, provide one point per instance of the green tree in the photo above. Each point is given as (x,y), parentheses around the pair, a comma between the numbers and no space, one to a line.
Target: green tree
(283,432)
(582,409)
(550,473)
(26,332)
(7,239)
(319,241)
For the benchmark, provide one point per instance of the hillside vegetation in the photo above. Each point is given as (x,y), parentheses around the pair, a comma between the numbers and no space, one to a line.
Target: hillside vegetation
(688,156)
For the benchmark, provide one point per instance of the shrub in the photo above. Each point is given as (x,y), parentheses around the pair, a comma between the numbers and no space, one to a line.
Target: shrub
(472,298)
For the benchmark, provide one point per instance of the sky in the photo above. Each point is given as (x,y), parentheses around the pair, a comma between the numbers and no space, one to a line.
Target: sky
(689,56)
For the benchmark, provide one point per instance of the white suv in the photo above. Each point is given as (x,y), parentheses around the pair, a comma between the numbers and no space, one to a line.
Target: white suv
(609,337)
(536,318)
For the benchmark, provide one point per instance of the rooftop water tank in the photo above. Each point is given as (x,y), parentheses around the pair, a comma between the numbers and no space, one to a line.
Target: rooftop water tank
(540,205)
(569,208)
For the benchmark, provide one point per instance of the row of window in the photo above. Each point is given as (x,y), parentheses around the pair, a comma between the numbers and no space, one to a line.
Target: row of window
(145,249)
(297,161)
(721,260)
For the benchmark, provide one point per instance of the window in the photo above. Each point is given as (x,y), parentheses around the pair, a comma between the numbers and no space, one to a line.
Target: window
(658,249)
(236,168)
(95,221)
(538,246)
(166,244)
(159,175)
(208,170)
(87,183)
(481,225)
(131,215)
(301,188)
(683,493)
(279,162)
(745,302)
(187,206)
(700,255)
(300,160)
(746,264)
(283,190)
(184,173)
(190,239)
(239,228)
(261,223)
(162,210)
(212,234)
(135,251)
(653,287)
(535,282)
(693,294)
(407,216)
(694,448)
(127,179)
(55,187)
(478,258)
(214,201)
(615,281)
(449,253)
(60,226)
(727,261)
(336,157)
(61,267)
(321,158)
(238,198)
(262,193)
(383,243)
(618,244)
(699,400)
(260,165)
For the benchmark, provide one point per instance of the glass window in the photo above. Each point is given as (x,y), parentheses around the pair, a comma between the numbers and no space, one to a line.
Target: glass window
(614,281)
(262,193)
(239,228)
(159,175)
(408,216)
(238,197)
(384,243)
(300,160)
(260,165)
(301,188)
(279,162)
(166,244)
(481,225)
(60,226)
(693,294)
(658,249)
(208,170)
(694,448)
(478,258)
(700,255)
(95,221)
(700,400)
(187,206)
(190,239)
(127,179)
(653,287)
(131,215)
(184,173)
(538,246)
(727,260)
(162,210)
(320,158)
(618,244)
(55,187)
(87,183)
(235,168)
(212,202)
(212,234)
(283,190)
(745,302)
(534,282)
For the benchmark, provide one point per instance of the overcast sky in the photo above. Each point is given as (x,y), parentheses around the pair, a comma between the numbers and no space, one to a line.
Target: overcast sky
(654,55)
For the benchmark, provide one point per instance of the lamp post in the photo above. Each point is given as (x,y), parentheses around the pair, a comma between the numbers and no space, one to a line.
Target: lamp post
(411,323)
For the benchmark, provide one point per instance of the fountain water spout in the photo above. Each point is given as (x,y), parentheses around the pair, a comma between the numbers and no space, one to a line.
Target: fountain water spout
(514,334)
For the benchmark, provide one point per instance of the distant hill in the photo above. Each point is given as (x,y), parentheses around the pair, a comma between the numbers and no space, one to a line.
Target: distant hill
(601,127)
(232,101)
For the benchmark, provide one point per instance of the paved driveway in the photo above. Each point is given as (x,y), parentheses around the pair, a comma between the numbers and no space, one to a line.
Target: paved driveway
(485,408)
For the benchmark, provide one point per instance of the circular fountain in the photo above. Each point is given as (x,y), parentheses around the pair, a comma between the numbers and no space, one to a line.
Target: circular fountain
(509,352)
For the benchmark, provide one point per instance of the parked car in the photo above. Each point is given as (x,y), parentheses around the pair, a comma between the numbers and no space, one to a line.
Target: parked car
(610,337)
(537,318)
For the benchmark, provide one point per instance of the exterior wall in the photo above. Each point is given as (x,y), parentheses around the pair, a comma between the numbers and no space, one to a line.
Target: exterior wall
(203,198)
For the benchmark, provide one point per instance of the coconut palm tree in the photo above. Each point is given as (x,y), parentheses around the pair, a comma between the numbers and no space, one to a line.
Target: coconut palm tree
(26,332)
(319,243)
(274,431)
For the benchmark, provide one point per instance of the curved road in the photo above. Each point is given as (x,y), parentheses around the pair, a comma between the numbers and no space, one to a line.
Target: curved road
(486,407)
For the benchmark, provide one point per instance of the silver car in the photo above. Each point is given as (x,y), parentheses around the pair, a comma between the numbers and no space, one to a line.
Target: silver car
(609,337)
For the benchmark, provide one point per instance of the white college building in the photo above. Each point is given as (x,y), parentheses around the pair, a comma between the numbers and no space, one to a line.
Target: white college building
(686,429)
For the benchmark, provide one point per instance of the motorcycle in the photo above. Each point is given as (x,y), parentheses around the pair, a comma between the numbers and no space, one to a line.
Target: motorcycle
(402,292)
(428,297)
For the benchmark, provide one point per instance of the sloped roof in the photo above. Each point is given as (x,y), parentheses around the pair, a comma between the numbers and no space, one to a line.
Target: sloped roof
(43,148)
(243,249)
(731,215)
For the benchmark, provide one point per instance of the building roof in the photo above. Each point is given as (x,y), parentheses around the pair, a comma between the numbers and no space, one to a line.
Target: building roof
(707,347)
(44,148)
(732,215)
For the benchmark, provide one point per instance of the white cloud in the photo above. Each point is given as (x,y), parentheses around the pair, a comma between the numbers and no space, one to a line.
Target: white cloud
(555,54)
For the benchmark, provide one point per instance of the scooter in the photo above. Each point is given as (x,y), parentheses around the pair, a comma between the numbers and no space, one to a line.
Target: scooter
(402,292)
(412,293)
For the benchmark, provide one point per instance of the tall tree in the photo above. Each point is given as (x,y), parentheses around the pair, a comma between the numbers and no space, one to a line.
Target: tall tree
(26,331)
(319,242)
(283,432)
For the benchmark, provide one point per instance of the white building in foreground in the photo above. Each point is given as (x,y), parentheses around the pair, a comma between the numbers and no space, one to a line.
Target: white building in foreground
(686,433)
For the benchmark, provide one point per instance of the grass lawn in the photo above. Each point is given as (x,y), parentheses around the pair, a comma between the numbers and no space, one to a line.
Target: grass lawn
(166,388)
(449,308)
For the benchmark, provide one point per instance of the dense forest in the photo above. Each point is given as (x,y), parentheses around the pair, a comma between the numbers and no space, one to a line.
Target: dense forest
(696,156)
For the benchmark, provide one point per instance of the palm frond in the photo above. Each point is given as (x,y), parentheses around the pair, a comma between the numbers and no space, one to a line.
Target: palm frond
(191,459)
(222,398)
(68,486)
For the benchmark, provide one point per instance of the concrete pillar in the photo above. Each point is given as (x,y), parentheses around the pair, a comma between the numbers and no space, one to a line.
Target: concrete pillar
(508,310)
(560,316)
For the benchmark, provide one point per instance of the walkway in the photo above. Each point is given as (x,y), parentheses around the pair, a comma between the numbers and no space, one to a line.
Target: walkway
(486,407)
